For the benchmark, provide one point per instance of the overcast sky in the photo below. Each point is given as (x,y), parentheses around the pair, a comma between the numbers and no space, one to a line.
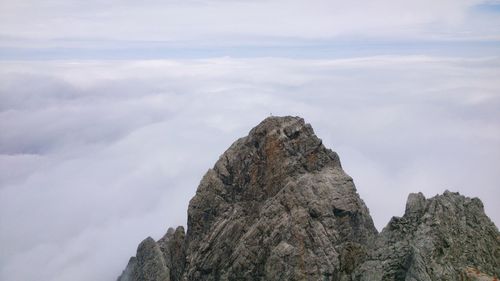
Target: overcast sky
(203,28)
(112,111)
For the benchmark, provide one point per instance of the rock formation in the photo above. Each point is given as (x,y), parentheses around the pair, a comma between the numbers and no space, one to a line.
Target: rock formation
(436,239)
(278,206)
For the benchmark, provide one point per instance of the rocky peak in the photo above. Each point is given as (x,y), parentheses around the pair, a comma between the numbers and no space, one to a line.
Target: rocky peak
(277,205)
(439,238)
(275,198)
(254,166)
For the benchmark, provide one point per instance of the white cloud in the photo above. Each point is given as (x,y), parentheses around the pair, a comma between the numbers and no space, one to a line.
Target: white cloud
(95,156)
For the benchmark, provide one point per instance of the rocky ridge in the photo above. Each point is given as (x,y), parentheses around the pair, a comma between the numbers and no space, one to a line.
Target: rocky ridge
(439,238)
(277,205)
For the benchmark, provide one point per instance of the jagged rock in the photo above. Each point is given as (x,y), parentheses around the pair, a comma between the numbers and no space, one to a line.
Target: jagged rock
(148,265)
(278,206)
(435,240)
(158,261)
(173,247)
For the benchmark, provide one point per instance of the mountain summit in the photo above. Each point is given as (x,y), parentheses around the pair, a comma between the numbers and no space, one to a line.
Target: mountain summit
(277,205)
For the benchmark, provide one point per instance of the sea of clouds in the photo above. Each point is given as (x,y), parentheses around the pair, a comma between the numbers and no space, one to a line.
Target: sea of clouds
(97,155)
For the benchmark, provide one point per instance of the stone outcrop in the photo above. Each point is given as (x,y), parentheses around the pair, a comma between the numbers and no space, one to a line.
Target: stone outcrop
(436,239)
(277,205)
(158,261)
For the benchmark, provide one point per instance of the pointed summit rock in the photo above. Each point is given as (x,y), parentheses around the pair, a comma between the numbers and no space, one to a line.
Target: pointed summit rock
(277,205)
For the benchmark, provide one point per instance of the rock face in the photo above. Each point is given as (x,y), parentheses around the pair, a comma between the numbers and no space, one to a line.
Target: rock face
(437,239)
(158,261)
(278,206)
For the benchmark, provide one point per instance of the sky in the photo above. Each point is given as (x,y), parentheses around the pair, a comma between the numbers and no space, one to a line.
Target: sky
(112,111)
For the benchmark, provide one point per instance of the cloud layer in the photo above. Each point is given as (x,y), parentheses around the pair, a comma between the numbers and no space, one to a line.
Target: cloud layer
(73,23)
(95,156)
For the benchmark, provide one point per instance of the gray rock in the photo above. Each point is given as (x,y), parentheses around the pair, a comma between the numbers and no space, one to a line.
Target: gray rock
(173,246)
(277,205)
(149,264)
(158,261)
(436,239)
